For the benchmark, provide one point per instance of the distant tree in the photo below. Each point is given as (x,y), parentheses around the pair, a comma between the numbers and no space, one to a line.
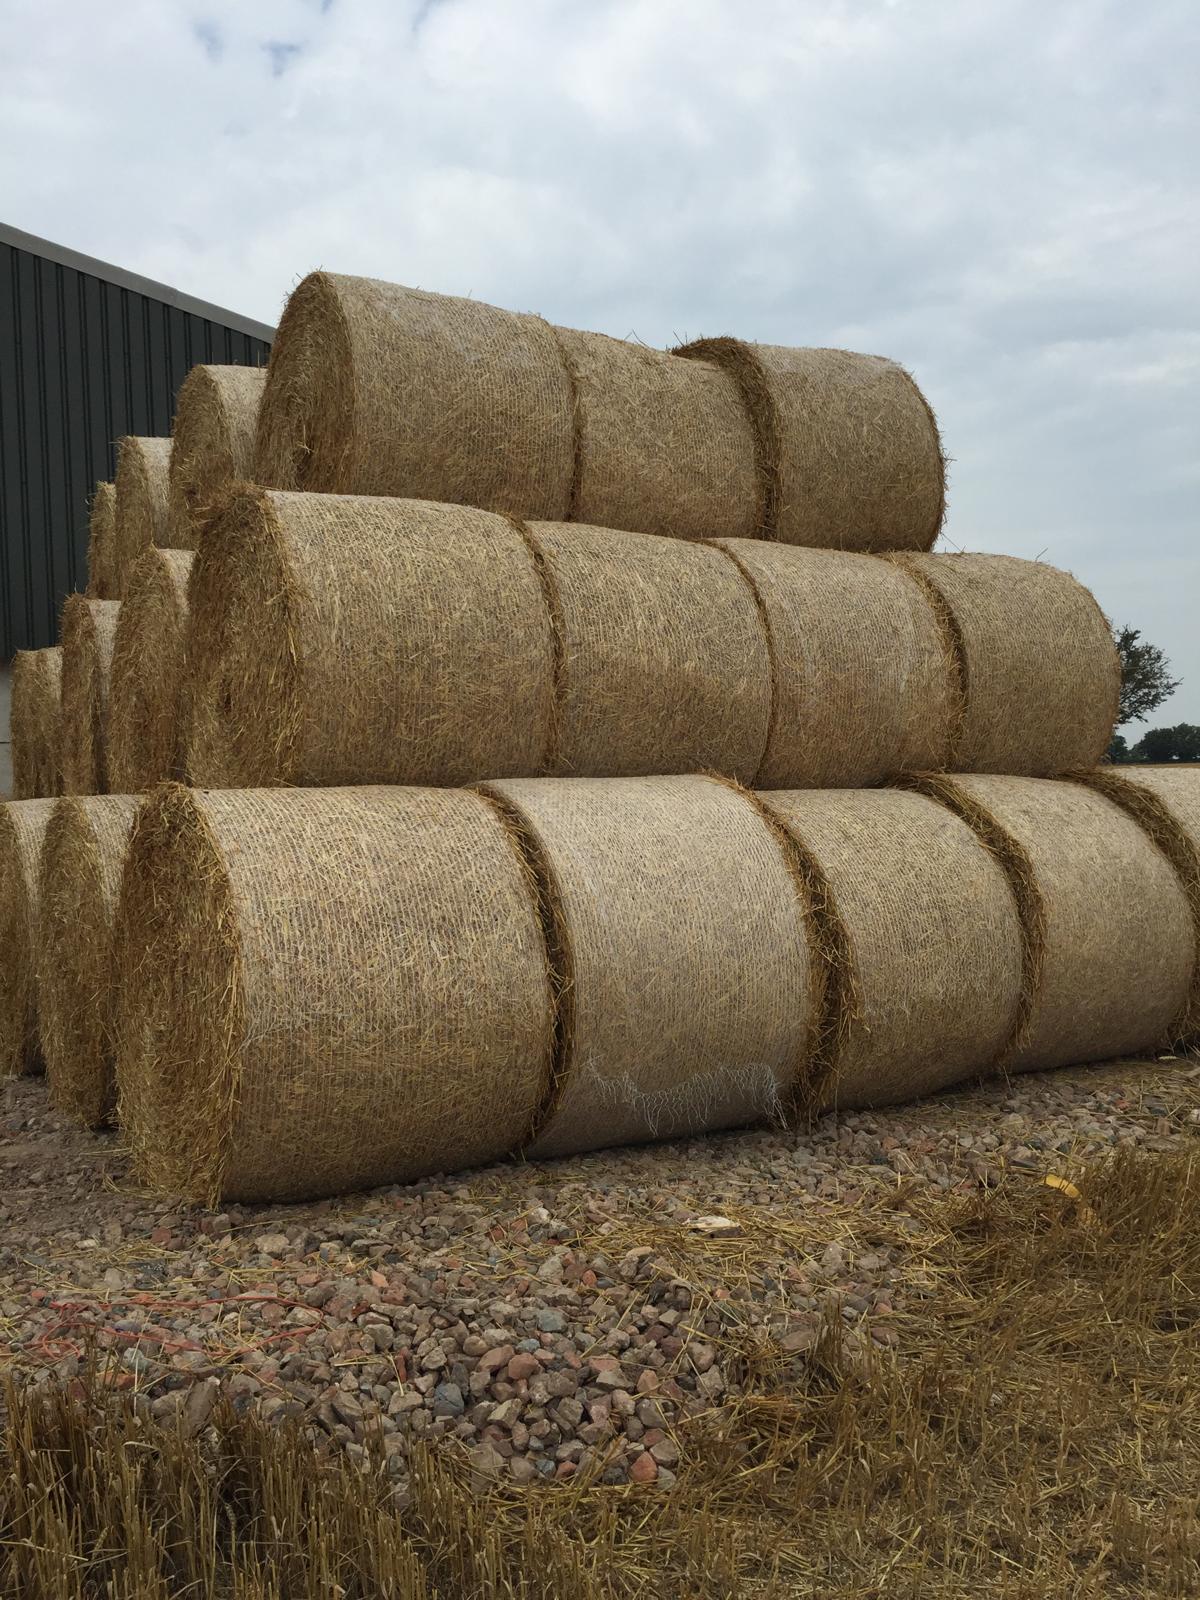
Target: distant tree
(1146,679)
(1180,743)
(1118,750)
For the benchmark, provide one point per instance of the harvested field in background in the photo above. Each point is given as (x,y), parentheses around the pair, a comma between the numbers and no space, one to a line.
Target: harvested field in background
(89,629)
(101,551)
(146,715)
(212,444)
(35,723)
(142,504)
(22,827)
(351,640)
(81,862)
(1008,1405)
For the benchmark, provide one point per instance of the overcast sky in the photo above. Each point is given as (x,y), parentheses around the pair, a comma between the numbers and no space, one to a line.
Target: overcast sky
(1003,195)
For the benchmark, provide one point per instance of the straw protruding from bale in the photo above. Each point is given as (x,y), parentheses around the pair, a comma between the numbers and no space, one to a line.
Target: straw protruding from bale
(378,389)
(1115,952)
(863,677)
(145,720)
(691,1003)
(82,857)
(35,717)
(22,828)
(932,933)
(664,660)
(212,444)
(663,446)
(89,629)
(101,551)
(1165,802)
(142,504)
(322,990)
(847,447)
(1040,673)
(342,639)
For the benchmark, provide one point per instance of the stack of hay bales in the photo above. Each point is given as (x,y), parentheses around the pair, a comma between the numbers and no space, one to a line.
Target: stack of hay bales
(588,750)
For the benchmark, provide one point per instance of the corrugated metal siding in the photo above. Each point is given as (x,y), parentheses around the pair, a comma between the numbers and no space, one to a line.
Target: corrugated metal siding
(82,361)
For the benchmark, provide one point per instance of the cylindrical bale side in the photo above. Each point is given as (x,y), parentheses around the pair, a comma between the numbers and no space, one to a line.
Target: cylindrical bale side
(323,990)
(864,678)
(1165,802)
(142,504)
(933,935)
(1041,675)
(89,629)
(212,444)
(101,551)
(664,446)
(22,827)
(685,957)
(1116,943)
(663,663)
(145,719)
(82,858)
(848,449)
(35,723)
(374,388)
(340,639)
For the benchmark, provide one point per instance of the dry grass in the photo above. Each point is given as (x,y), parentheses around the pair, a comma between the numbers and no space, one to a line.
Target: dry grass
(1035,1436)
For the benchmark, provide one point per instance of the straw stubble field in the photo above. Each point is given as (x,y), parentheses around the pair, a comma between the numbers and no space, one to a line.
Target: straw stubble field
(930,1351)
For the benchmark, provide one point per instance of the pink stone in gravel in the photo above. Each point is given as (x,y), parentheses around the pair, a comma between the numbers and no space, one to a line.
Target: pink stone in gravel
(644,1468)
(491,1360)
(523,1365)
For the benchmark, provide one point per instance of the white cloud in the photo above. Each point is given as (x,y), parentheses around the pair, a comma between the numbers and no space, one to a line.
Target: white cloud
(1002,196)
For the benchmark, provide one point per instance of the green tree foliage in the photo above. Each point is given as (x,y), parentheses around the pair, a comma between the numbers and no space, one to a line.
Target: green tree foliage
(1119,750)
(1146,679)
(1180,743)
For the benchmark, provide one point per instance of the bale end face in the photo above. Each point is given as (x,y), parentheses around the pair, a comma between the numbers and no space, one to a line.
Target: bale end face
(88,631)
(212,444)
(36,723)
(306,417)
(144,743)
(22,827)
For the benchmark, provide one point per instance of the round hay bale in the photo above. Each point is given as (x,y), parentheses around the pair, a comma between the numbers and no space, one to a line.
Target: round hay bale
(22,827)
(1041,678)
(680,936)
(1165,802)
(89,629)
(338,639)
(323,990)
(374,388)
(1115,946)
(145,720)
(864,679)
(848,449)
(663,446)
(933,936)
(663,665)
(142,504)
(35,723)
(212,444)
(102,533)
(80,875)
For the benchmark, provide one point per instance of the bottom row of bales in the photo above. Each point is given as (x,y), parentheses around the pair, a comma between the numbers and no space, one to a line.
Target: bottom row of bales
(292,993)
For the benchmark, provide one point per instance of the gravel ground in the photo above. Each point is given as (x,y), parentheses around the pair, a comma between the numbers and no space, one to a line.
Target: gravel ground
(548,1317)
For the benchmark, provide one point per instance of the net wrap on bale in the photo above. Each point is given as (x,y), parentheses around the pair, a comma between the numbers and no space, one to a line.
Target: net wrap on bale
(212,444)
(378,389)
(35,717)
(101,551)
(89,629)
(323,990)
(142,504)
(1107,918)
(145,721)
(80,875)
(680,937)
(342,639)
(932,938)
(1040,675)
(663,659)
(22,828)
(847,448)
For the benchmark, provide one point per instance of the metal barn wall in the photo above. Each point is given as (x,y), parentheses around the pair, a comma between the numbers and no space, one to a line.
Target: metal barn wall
(87,353)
